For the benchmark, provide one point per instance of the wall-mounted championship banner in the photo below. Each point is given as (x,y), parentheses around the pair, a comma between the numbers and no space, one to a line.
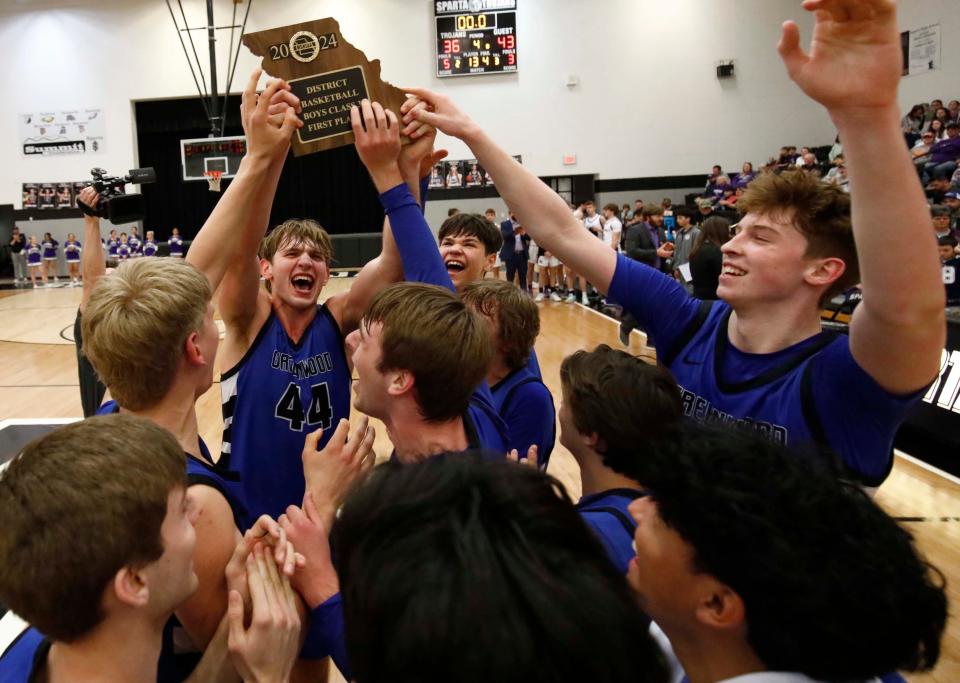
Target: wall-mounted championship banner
(328,74)
(78,131)
(921,50)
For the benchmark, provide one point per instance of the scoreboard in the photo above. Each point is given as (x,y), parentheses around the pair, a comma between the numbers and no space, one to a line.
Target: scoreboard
(476,37)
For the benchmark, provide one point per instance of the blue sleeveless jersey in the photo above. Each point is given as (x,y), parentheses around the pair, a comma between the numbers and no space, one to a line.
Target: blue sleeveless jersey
(526,406)
(277,394)
(23,660)
(811,393)
(607,516)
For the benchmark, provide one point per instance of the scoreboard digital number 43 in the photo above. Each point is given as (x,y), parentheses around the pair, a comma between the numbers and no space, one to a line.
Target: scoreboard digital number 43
(476,37)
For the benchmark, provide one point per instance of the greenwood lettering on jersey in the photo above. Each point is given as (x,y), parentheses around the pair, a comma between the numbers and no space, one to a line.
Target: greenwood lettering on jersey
(302,369)
(700,409)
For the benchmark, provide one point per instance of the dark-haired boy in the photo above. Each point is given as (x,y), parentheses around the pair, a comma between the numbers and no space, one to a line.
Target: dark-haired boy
(759,358)
(751,562)
(605,436)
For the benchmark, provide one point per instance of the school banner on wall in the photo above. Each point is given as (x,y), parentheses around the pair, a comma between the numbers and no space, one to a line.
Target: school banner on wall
(921,49)
(49,133)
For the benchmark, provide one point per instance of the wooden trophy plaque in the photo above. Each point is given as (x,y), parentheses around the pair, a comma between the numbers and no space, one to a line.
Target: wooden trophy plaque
(328,74)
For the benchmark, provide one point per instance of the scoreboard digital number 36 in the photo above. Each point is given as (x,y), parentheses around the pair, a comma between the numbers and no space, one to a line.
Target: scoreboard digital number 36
(476,37)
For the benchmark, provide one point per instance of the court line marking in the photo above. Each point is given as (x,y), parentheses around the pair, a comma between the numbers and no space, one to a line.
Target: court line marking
(923,465)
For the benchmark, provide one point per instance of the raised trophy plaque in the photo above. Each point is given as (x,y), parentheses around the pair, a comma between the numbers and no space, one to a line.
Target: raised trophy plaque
(328,74)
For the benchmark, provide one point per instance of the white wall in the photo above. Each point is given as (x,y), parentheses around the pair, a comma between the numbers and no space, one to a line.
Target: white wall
(648,103)
(945,82)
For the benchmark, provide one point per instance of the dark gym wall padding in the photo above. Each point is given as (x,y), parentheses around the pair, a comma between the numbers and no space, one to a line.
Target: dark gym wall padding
(332,187)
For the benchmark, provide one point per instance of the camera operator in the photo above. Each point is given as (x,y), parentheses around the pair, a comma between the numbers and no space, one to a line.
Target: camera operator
(17,243)
(94,267)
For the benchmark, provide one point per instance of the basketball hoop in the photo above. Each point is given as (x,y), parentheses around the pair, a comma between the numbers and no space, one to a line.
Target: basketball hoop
(213,180)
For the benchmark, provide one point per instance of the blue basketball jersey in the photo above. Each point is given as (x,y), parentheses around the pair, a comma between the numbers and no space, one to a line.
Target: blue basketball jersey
(24,659)
(526,407)
(483,424)
(607,516)
(811,393)
(71,250)
(275,396)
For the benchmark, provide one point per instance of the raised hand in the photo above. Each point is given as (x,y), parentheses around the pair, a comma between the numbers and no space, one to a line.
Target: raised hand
(264,652)
(529,461)
(377,134)
(330,472)
(89,196)
(441,113)
(269,118)
(317,581)
(855,59)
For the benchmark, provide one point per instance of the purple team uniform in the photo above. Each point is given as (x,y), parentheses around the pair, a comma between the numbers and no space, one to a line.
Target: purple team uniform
(71,249)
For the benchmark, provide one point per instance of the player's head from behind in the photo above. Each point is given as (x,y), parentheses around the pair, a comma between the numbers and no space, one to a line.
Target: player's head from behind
(295,262)
(96,524)
(456,569)
(420,352)
(468,246)
(794,243)
(647,407)
(743,547)
(512,317)
(947,246)
(148,327)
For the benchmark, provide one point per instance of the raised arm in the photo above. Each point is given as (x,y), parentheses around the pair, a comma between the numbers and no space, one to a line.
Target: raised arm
(542,212)
(225,249)
(413,162)
(853,69)
(92,260)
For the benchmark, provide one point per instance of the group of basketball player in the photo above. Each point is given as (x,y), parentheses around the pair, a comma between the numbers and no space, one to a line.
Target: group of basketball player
(716,538)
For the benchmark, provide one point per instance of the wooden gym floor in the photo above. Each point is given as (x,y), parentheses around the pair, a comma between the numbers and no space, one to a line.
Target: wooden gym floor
(39,380)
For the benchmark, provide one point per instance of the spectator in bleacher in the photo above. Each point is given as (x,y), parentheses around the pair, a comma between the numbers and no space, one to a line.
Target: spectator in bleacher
(729,198)
(808,162)
(914,121)
(944,154)
(747,174)
(931,109)
(706,261)
(951,200)
(936,190)
(921,148)
(836,150)
(716,189)
(950,268)
(954,109)
(942,115)
(705,210)
(938,128)
(801,159)
(715,173)
(941,217)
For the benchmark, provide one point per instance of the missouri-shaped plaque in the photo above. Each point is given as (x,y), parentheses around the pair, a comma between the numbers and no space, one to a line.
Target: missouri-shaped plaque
(328,74)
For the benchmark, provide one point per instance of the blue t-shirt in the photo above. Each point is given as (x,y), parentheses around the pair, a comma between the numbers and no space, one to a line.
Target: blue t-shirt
(813,392)
(526,406)
(607,515)
(278,393)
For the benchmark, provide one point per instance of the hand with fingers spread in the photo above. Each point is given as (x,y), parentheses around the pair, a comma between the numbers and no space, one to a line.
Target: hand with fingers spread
(269,118)
(317,581)
(377,134)
(441,113)
(266,650)
(529,461)
(855,58)
(330,472)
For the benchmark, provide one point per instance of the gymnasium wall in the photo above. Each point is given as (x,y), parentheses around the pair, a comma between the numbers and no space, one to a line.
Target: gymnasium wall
(648,101)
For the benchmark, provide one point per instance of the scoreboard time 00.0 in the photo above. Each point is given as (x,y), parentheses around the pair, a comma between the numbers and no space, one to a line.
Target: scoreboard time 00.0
(476,37)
